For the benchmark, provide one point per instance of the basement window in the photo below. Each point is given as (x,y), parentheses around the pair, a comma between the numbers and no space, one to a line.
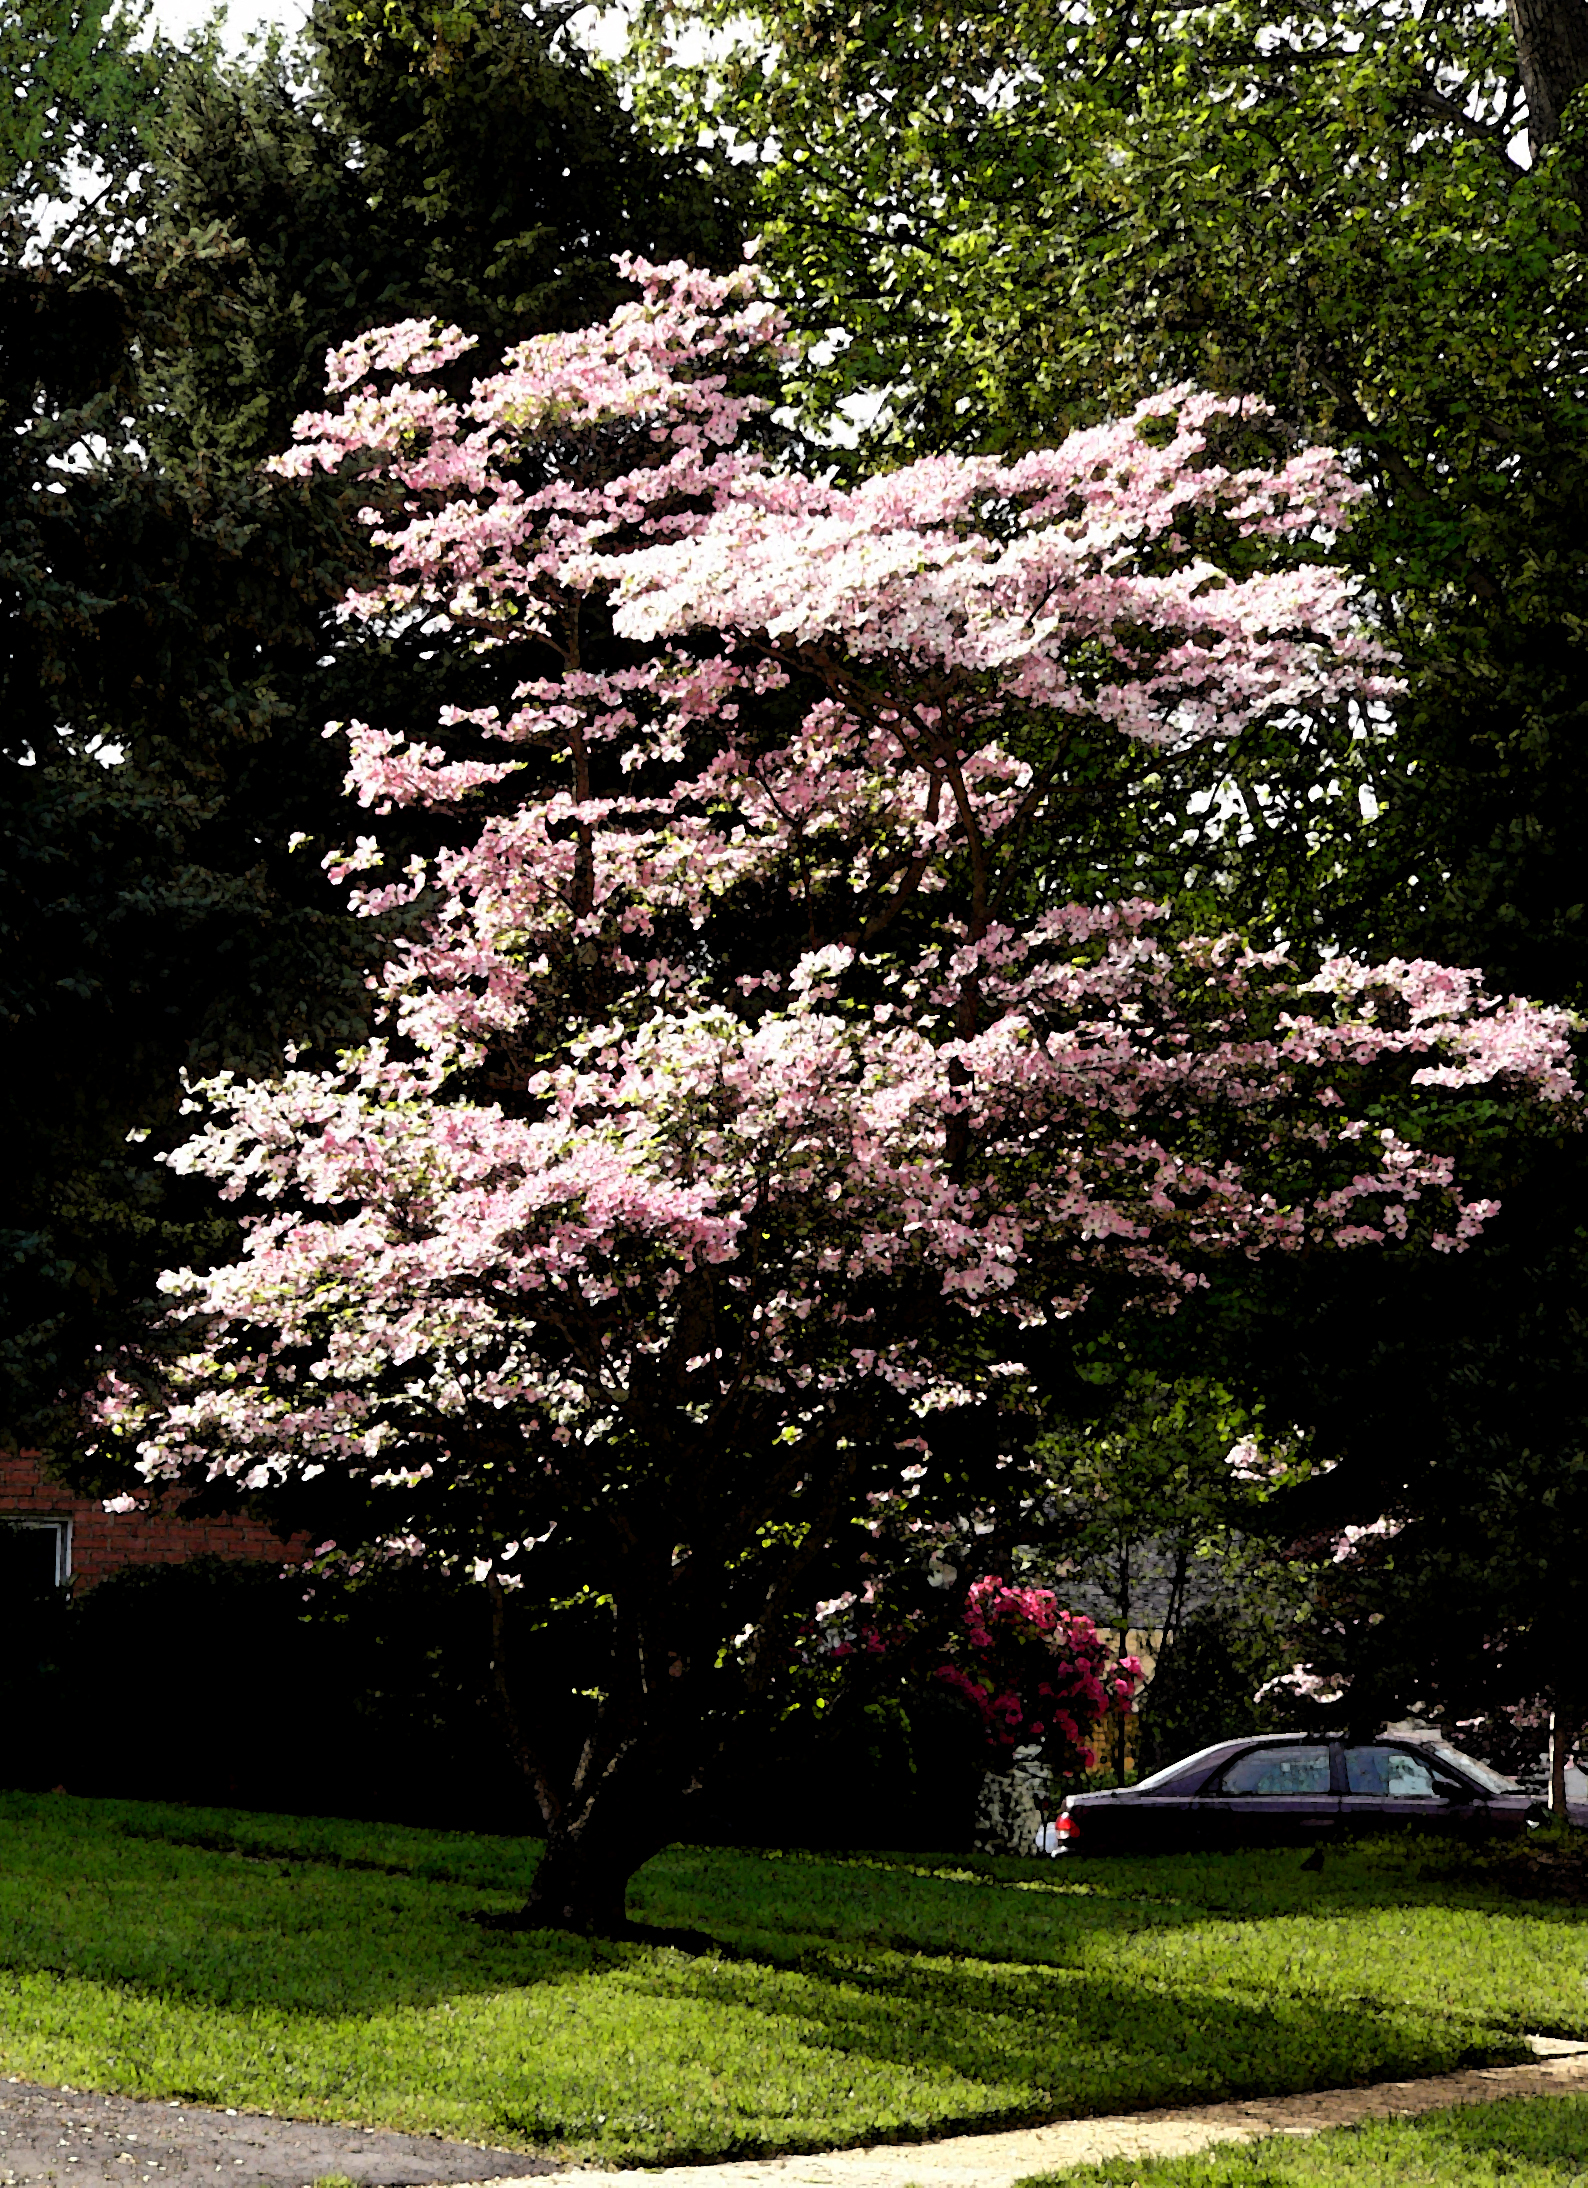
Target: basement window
(35,1554)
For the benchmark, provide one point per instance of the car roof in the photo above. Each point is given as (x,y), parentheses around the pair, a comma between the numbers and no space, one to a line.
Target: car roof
(1208,1758)
(1218,1751)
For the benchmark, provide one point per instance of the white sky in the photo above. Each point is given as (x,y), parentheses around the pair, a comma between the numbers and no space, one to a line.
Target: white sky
(180,18)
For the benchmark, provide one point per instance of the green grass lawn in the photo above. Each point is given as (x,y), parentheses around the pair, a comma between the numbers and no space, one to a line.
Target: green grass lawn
(330,1970)
(1538,2142)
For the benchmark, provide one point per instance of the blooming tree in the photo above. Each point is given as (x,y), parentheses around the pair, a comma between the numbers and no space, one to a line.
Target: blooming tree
(748,1111)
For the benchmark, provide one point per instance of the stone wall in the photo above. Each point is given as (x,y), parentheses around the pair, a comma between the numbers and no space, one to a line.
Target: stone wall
(1013,1806)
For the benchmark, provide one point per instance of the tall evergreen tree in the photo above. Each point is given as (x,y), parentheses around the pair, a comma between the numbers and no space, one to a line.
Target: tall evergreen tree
(174,650)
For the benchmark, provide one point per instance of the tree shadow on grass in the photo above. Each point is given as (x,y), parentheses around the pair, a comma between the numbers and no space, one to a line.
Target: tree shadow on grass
(303,1918)
(831,2002)
(767,1903)
(1036,2057)
(1081,2042)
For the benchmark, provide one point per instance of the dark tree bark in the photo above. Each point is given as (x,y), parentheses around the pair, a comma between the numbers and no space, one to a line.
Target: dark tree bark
(621,1803)
(1552,54)
(581,1880)
(600,1829)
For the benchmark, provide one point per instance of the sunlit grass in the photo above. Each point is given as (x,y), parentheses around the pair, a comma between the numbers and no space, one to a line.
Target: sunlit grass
(331,1970)
(1536,2142)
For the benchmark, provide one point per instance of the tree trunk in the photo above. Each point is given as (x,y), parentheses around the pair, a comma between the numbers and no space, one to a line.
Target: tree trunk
(1121,1728)
(582,1880)
(1552,54)
(606,1821)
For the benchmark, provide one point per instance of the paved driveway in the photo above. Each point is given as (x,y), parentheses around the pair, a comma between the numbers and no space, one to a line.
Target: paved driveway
(69,2137)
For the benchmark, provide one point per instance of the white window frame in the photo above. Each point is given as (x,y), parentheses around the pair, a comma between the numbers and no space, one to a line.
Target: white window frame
(61,1529)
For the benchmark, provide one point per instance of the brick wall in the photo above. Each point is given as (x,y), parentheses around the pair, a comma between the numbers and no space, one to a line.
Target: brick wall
(103,1542)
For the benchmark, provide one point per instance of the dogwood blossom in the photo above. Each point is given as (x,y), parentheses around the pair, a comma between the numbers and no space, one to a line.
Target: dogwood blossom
(737,1073)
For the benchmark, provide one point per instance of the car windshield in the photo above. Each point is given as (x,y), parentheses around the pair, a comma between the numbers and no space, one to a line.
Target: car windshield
(1490,1780)
(1173,1770)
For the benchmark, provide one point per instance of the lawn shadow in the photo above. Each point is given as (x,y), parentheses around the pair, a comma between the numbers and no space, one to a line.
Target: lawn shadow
(885,1953)
(1081,2042)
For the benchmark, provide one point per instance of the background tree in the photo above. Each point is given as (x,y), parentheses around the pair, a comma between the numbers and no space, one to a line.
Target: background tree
(1552,59)
(1147,1527)
(174,647)
(77,85)
(1446,1501)
(93,843)
(1046,216)
(1371,216)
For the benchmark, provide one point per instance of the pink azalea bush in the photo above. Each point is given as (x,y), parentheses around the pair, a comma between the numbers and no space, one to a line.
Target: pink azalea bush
(1033,1675)
(743,1107)
(1037,1675)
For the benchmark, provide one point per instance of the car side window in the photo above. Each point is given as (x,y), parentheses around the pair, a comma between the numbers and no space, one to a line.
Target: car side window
(1298,1771)
(1389,1774)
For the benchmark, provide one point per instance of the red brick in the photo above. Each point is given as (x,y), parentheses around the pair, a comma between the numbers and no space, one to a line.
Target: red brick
(105,1542)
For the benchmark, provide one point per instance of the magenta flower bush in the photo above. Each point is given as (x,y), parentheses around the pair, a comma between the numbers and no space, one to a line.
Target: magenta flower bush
(1037,1675)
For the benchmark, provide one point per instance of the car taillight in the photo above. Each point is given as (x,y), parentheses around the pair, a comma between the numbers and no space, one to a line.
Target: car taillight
(1068,1826)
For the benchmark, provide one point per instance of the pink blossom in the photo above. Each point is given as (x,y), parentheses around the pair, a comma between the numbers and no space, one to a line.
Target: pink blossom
(624,1171)
(1351,1538)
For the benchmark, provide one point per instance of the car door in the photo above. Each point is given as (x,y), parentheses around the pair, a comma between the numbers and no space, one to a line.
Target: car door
(1397,1789)
(1272,1796)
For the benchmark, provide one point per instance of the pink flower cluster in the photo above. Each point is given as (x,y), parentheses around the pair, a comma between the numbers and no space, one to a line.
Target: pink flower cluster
(733,1033)
(1351,1539)
(1037,1674)
(1303,1683)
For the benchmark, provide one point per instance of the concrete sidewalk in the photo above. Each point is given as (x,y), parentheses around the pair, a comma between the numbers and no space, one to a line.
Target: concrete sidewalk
(997,2161)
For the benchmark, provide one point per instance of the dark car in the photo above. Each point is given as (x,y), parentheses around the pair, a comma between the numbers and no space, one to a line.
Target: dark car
(1292,1789)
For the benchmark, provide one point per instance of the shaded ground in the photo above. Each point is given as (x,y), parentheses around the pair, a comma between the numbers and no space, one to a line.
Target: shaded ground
(69,2136)
(1547,1867)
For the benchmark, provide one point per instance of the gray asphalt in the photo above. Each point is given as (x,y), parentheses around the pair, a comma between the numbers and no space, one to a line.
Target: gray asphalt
(69,2136)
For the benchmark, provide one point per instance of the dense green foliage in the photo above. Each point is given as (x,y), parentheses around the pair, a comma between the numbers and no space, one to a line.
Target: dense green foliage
(1456,1410)
(335,1970)
(376,1699)
(113,642)
(172,651)
(76,86)
(372,1702)
(417,161)
(1045,213)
